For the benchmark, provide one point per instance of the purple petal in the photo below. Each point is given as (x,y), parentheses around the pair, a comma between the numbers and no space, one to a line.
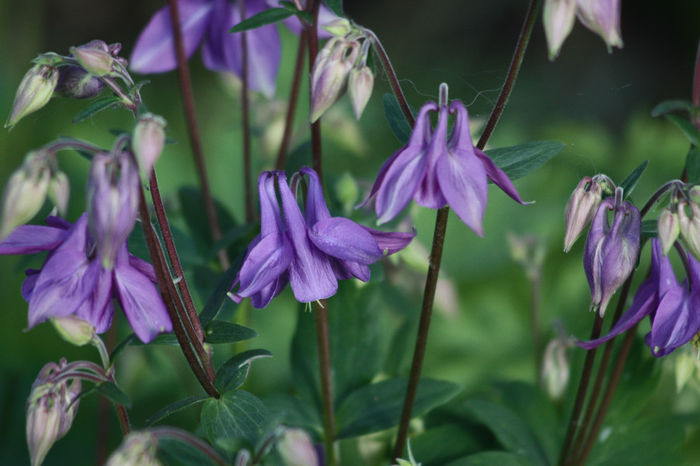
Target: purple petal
(30,239)
(270,215)
(675,323)
(263,297)
(592,257)
(143,267)
(498,176)
(316,208)
(155,50)
(213,50)
(429,193)
(58,222)
(29,283)
(269,259)
(140,301)
(345,240)
(348,269)
(400,182)
(98,308)
(391,242)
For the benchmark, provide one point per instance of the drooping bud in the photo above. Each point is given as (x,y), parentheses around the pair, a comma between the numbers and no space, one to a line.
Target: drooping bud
(580,209)
(338,27)
(76,83)
(558,17)
(33,92)
(360,84)
(555,367)
(137,449)
(147,141)
(611,251)
(74,329)
(329,76)
(603,18)
(528,251)
(59,191)
(296,449)
(113,193)
(94,57)
(690,226)
(25,192)
(669,228)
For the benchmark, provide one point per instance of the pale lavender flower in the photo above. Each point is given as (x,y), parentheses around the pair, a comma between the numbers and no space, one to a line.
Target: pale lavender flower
(207,22)
(435,171)
(311,251)
(73,280)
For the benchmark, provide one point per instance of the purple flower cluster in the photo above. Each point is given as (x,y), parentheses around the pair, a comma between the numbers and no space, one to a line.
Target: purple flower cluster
(311,251)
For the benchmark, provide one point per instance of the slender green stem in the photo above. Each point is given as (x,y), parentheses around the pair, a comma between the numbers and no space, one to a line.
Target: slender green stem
(441,224)
(535,290)
(245,116)
(116,88)
(193,130)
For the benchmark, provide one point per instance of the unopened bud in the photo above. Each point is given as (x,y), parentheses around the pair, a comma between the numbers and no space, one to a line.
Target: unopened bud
(94,58)
(580,209)
(603,18)
(360,84)
(33,92)
(76,83)
(296,449)
(25,192)
(694,194)
(528,251)
(338,27)
(147,141)
(137,449)
(59,191)
(555,367)
(690,226)
(330,73)
(558,17)
(73,329)
(669,228)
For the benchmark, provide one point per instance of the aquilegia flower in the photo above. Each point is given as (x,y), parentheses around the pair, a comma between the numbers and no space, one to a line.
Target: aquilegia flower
(435,171)
(672,307)
(312,251)
(208,22)
(73,279)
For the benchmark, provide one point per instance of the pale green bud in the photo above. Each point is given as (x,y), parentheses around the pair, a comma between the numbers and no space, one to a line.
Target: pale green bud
(558,18)
(59,191)
(330,73)
(25,192)
(95,60)
(33,92)
(296,449)
(555,367)
(669,228)
(137,449)
(338,27)
(580,209)
(690,227)
(148,141)
(360,84)
(74,330)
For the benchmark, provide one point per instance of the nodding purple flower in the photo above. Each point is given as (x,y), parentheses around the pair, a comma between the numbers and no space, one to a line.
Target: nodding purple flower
(311,251)
(73,279)
(207,22)
(435,171)
(672,307)
(611,251)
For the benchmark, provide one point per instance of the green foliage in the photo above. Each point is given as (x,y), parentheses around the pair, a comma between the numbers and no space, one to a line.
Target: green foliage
(113,393)
(174,408)
(397,120)
(268,16)
(493,458)
(100,104)
(233,373)
(629,183)
(692,165)
(518,161)
(236,415)
(218,331)
(688,129)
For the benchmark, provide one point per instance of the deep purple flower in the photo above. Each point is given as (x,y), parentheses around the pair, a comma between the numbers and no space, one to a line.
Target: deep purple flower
(73,280)
(611,251)
(311,251)
(208,22)
(435,171)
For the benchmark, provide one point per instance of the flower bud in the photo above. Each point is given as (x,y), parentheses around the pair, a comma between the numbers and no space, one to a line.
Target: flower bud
(603,18)
(94,58)
(59,191)
(558,17)
(137,449)
(113,193)
(360,83)
(669,228)
(25,192)
(74,330)
(329,76)
(690,226)
(338,27)
(580,209)
(555,367)
(76,83)
(33,92)
(296,449)
(147,141)
(611,251)
(694,194)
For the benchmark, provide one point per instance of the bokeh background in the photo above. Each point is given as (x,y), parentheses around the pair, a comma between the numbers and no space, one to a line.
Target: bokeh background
(597,103)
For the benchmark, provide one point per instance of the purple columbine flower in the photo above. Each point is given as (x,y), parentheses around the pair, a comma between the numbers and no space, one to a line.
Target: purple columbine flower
(311,251)
(74,281)
(207,22)
(611,251)
(435,171)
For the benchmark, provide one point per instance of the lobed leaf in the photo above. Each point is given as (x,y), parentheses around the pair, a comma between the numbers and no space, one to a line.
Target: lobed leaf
(518,161)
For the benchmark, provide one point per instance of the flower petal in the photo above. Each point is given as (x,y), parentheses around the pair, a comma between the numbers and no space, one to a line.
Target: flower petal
(345,240)
(675,323)
(29,239)
(316,208)
(499,177)
(32,275)
(266,261)
(154,51)
(98,308)
(263,297)
(143,267)
(391,242)
(429,193)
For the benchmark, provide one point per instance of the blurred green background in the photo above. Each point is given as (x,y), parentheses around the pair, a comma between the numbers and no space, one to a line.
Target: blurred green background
(598,104)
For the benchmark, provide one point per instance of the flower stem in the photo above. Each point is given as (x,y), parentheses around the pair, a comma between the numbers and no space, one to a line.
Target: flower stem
(293,98)
(190,115)
(441,225)
(324,361)
(245,116)
(316,158)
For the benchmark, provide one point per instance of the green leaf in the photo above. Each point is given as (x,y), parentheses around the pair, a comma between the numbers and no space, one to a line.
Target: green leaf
(234,371)
(268,16)
(192,209)
(690,131)
(121,345)
(218,331)
(692,165)
(455,440)
(649,229)
(238,237)
(103,103)
(378,406)
(493,458)
(518,161)
(295,412)
(397,120)
(113,393)
(168,339)
(174,408)
(175,451)
(668,106)
(629,183)
(216,299)
(336,7)
(237,414)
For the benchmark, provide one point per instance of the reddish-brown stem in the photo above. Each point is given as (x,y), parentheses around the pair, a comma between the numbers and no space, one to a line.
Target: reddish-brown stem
(186,437)
(123,417)
(316,159)
(324,362)
(193,131)
(696,79)
(293,98)
(245,116)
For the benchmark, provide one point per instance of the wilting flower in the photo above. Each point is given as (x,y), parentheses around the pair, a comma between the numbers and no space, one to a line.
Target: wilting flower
(435,171)
(74,281)
(671,306)
(208,22)
(312,251)
(611,252)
